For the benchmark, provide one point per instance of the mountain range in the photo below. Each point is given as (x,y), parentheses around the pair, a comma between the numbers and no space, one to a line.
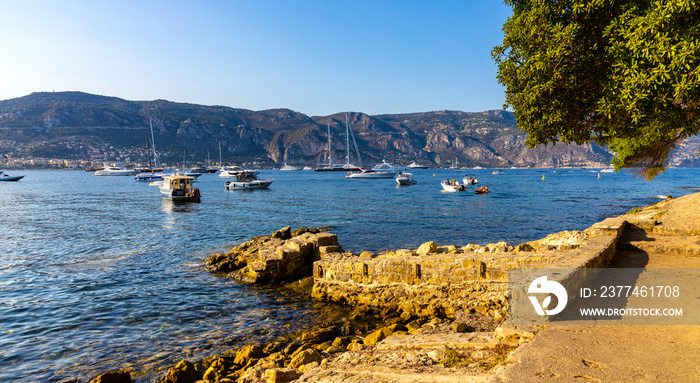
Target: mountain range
(71,124)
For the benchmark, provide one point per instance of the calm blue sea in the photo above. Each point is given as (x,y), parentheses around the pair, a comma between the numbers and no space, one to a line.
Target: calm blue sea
(101,273)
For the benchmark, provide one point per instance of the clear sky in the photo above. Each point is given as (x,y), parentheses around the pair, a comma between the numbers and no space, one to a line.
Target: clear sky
(315,57)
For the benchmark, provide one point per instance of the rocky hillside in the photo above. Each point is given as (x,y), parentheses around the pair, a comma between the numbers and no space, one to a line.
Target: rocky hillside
(65,124)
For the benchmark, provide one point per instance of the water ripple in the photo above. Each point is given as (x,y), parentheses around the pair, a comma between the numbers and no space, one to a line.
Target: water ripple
(110,275)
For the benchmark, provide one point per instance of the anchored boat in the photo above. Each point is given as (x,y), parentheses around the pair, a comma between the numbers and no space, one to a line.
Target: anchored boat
(178,187)
(248,181)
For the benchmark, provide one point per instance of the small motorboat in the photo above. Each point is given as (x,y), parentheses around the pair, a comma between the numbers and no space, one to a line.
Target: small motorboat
(6,177)
(248,181)
(470,179)
(367,173)
(179,187)
(452,186)
(405,179)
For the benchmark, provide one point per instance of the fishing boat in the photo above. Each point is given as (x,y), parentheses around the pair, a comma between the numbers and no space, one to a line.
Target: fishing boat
(248,181)
(369,173)
(453,186)
(115,171)
(405,179)
(470,179)
(179,187)
(6,177)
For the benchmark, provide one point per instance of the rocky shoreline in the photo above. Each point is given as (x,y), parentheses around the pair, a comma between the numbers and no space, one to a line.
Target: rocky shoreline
(436,313)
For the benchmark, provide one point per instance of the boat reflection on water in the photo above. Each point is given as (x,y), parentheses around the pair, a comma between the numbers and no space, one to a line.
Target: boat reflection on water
(175,206)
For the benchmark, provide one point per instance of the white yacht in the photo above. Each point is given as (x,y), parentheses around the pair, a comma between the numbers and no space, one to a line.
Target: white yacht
(290,168)
(385,167)
(235,170)
(366,173)
(414,165)
(115,171)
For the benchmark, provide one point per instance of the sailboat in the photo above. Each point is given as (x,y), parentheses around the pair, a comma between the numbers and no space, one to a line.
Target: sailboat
(151,173)
(347,167)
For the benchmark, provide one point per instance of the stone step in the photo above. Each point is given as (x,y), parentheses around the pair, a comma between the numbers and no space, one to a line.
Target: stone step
(457,341)
(688,246)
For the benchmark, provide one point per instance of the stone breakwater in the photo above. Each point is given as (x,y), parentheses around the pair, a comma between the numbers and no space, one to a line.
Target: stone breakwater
(282,256)
(436,281)
(435,313)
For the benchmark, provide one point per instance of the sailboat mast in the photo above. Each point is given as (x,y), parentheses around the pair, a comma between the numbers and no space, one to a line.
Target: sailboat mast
(347,141)
(153,140)
(330,158)
(148,151)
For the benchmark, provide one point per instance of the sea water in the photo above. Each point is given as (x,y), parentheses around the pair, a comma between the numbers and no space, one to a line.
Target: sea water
(102,273)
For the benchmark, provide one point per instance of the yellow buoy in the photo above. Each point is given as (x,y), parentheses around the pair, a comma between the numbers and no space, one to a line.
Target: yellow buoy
(542,177)
(433,174)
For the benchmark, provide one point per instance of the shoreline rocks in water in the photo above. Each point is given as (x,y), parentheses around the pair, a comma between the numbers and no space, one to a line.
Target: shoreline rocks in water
(282,256)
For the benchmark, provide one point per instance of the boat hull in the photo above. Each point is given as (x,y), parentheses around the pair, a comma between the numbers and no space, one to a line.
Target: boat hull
(150,177)
(11,178)
(406,181)
(233,174)
(453,188)
(371,175)
(181,195)
(121,173)
(251,185)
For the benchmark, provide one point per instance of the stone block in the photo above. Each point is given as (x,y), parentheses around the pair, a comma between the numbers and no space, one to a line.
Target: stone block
(325,239)
(245,353)
(281,375)
(305,357)
(183,372)
(428,247)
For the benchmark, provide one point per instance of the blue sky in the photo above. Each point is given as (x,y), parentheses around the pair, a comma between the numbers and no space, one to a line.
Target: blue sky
(315,57)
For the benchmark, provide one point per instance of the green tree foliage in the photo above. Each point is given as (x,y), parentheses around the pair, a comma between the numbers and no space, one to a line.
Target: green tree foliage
(621,73)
